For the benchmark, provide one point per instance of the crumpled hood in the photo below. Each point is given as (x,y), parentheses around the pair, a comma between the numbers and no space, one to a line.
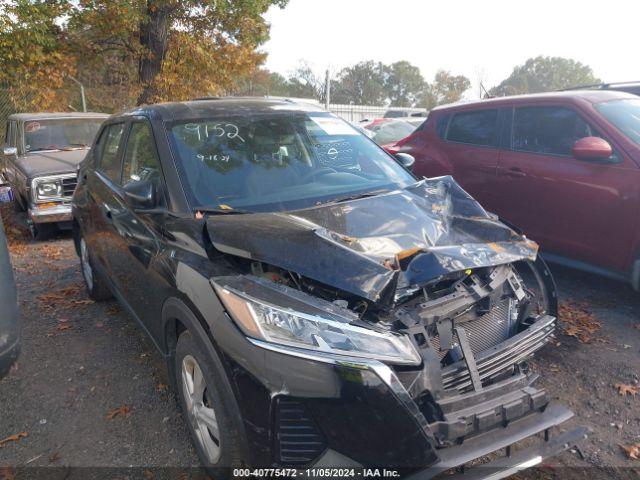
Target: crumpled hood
(38,164)
(366,246)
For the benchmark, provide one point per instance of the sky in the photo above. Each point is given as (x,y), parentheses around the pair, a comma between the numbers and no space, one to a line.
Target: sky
(480,39)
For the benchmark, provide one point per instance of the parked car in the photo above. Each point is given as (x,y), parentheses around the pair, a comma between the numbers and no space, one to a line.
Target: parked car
(317,305)
(564,167)
(40,158)
(9,321)
(385,131)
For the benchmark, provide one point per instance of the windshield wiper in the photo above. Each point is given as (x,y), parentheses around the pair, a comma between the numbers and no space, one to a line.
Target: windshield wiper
(221,211)
(355,196)
(74,146)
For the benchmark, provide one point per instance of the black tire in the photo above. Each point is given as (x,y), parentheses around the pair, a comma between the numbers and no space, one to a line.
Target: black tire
(218,396)
(96,286)
(41,231)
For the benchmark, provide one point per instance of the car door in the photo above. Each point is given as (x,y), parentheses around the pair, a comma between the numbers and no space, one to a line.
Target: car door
(572,207)
(103,185)
(140,231)
(470,148)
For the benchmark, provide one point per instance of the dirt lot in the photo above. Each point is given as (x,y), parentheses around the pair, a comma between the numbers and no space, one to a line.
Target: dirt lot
(89,390)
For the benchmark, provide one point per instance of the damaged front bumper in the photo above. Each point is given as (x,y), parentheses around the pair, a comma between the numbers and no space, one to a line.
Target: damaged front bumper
(328,410)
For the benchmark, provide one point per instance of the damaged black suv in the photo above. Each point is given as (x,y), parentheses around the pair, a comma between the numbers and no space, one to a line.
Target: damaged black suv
(317,304)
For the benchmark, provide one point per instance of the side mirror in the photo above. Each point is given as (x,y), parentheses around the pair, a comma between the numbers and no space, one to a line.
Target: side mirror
(10,151)
(592,148)
(405,160)
(140,194)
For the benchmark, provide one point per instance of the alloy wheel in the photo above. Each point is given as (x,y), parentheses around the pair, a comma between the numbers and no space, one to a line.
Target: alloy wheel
(200,409)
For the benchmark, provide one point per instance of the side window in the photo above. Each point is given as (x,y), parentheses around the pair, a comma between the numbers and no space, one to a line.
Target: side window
(547,130)
(108,159)
(10,141)
(141,160)
(477,127)
(441,125)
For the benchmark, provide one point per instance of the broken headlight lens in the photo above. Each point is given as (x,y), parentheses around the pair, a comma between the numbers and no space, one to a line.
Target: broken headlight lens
(296,329)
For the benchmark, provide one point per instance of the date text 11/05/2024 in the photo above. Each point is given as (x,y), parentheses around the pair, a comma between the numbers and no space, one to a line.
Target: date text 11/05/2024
(317,473)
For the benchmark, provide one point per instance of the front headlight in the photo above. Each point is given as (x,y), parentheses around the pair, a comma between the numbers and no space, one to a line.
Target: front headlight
(47,189)
(296,329)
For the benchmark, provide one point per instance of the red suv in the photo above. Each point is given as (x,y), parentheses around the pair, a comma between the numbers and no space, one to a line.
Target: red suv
(564,167)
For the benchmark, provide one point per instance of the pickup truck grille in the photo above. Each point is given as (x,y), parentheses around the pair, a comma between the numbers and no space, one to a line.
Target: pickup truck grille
(69,186)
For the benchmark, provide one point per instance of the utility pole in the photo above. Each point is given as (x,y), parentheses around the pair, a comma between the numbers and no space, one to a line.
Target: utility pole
(84,101)
(327,90)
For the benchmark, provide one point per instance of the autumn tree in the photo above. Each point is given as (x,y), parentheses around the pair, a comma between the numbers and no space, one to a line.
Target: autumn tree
(445,88)
(545,74)
(35,53)
(208,42)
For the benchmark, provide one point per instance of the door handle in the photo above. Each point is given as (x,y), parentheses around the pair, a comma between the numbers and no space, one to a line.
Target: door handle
(514,172)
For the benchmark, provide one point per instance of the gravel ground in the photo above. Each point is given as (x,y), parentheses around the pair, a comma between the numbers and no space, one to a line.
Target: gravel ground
(90,390)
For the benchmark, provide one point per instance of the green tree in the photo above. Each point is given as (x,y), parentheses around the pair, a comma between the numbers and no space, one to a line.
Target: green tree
(362,84)
(403,84)
(445,88)
(545,74)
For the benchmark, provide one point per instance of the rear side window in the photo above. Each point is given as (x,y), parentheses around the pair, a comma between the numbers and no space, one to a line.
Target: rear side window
(441,125)
(548,130)
(109,162)
(476,128)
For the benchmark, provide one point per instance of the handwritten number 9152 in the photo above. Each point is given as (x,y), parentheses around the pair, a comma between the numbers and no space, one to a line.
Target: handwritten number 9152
(227,129)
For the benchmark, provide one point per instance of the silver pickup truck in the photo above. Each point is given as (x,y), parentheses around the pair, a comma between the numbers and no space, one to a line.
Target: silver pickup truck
(40,158)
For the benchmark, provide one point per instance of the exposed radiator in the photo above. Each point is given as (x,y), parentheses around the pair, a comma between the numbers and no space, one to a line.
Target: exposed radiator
(486,331)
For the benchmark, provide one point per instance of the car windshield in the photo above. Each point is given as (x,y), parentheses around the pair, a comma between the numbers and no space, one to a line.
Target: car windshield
(390,132)
(60,133)
(624,114)
(280,161)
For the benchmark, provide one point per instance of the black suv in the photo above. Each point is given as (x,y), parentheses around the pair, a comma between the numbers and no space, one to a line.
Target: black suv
(317,305)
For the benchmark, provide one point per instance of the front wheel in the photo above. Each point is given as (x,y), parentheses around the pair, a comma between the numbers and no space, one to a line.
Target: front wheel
(205,403)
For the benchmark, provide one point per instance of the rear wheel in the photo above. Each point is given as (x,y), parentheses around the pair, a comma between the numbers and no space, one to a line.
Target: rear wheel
(205,403)
(97,288)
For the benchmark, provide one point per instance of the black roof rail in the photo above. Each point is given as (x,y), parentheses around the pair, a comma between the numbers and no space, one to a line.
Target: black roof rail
(206,98)
(600,85)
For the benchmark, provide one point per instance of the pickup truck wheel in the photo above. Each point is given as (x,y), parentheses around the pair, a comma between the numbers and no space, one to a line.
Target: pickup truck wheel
(204,401)
(97,288)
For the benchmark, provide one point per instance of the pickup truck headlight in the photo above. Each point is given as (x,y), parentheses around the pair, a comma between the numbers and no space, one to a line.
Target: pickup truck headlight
(47,189)
(296,329)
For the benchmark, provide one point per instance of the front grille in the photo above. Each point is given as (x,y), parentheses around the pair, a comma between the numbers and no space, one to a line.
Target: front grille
(486,331)
(69,186)
(502,356)
(299,442)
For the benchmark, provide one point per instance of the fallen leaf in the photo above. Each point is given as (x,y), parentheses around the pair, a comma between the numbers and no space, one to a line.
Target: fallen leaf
(7,473)
(122,410)
(633,451)
(63,326)
(148,474)
(623,389)
(161,387)
(55,457)
(637,326)
(12,438)
(578,321)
